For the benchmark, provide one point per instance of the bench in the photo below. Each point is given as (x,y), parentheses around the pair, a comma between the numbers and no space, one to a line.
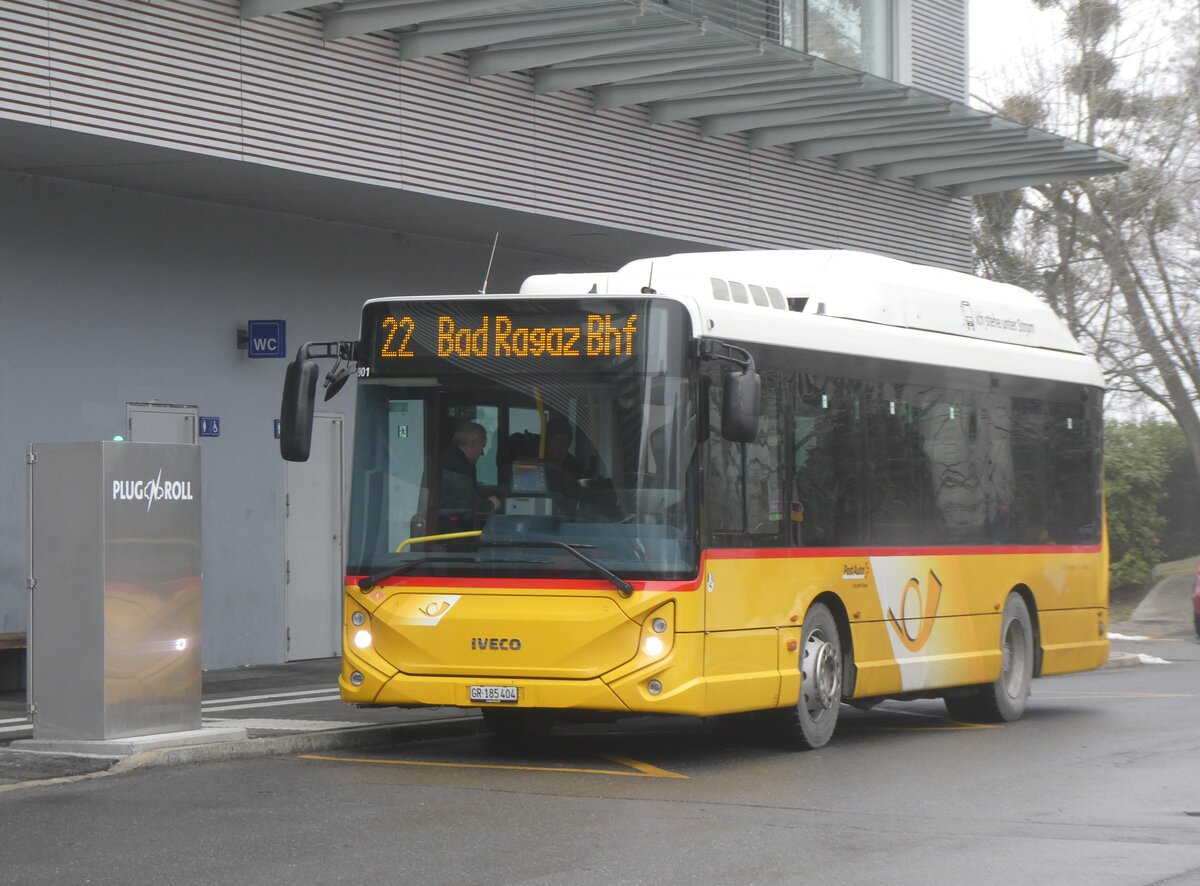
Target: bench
(12,661)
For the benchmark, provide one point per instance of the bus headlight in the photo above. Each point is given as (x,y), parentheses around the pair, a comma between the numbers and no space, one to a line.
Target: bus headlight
(658,634)
(653,646)
(362,639)
(359,618)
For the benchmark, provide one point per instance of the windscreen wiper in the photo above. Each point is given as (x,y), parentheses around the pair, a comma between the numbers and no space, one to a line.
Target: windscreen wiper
(365,584)
(619,583)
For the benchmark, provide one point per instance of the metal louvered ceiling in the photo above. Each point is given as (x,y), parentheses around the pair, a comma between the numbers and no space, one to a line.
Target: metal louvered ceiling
(680,65)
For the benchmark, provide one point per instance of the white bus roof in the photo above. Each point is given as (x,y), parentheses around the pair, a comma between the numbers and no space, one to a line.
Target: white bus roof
(847,302)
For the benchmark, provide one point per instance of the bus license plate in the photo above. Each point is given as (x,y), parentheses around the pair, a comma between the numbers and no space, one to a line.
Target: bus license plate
(494,694)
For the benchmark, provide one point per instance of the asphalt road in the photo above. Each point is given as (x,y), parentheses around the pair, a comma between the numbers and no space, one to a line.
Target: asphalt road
(1098,784)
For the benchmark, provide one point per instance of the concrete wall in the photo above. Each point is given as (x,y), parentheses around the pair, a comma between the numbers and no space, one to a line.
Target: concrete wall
(110,296)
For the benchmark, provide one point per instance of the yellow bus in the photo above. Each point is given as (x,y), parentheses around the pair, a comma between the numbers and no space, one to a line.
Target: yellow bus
(718,483)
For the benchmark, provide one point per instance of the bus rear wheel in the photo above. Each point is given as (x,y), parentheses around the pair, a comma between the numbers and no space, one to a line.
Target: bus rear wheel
(1003,700)
(810,724)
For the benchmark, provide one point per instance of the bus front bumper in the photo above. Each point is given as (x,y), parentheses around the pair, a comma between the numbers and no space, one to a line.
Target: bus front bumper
(670,685)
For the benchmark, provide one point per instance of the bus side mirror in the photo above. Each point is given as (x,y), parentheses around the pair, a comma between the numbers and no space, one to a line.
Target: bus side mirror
(741,404)
(296,410)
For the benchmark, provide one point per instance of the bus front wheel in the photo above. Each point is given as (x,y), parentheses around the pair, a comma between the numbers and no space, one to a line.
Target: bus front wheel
(1003,700)
(811,722)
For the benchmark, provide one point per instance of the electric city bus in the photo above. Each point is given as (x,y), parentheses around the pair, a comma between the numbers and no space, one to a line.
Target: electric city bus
(718,483)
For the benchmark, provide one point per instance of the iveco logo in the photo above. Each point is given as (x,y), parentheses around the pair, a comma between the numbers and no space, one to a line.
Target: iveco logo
(504,644)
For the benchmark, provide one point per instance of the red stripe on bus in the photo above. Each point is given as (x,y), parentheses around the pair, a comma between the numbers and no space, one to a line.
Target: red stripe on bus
(971,551)
(677,587)
(680,587)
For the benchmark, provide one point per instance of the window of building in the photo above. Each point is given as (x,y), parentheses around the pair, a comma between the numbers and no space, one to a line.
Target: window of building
(859,34)
(856,33)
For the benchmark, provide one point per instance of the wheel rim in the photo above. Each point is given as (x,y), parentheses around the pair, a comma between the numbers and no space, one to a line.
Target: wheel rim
(1012,661)
(822,675)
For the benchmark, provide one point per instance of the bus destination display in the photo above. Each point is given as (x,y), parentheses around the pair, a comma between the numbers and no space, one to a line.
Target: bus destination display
(500,336)
(401,336)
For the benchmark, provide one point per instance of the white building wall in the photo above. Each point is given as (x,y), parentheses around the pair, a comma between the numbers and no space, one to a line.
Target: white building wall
(112,296)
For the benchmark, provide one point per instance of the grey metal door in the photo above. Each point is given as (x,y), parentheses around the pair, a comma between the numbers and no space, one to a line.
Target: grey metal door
(314,545)
(162,423)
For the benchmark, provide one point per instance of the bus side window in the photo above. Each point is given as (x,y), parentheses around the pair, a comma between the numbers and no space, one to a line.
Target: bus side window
(745,482)
(900,488)
(966,475)
(1030,448)
(725,481)
(825,507)
(765,471)
(1071,513)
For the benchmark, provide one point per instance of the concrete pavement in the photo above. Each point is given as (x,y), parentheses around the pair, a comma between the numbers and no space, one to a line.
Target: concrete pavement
(279,709)
(1165,613)
(1167,609)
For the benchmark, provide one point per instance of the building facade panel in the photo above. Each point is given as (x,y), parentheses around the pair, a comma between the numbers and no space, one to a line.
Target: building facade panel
(939,47)
(169,74)
(24,60)
(193,75)
(467,140)
(861,213)
(700,186)
(331,109)
(593,165)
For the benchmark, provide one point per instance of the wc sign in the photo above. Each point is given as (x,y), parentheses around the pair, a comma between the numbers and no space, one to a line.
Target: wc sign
(266,338)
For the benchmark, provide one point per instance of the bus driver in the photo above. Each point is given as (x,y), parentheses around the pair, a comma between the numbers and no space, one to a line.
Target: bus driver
(462,508)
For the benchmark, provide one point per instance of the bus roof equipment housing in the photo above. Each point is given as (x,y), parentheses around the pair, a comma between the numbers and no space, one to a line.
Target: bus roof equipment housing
(851,302)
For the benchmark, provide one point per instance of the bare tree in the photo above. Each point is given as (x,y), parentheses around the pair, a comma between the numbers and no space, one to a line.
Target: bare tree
(1117,257)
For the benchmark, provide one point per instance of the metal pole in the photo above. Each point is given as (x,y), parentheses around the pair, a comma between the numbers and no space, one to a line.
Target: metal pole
(30,582)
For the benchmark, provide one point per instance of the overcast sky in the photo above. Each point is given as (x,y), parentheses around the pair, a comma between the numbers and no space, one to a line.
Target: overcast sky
(1007,36)
(1004,36)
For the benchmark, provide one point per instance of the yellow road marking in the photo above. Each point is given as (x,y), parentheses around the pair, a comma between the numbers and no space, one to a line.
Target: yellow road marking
(645,768)
(641,770)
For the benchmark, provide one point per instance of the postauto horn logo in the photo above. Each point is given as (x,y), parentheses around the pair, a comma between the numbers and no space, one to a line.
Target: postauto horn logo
(151,491)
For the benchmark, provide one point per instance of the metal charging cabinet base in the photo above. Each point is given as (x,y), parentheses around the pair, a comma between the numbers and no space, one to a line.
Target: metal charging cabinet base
(116,585)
